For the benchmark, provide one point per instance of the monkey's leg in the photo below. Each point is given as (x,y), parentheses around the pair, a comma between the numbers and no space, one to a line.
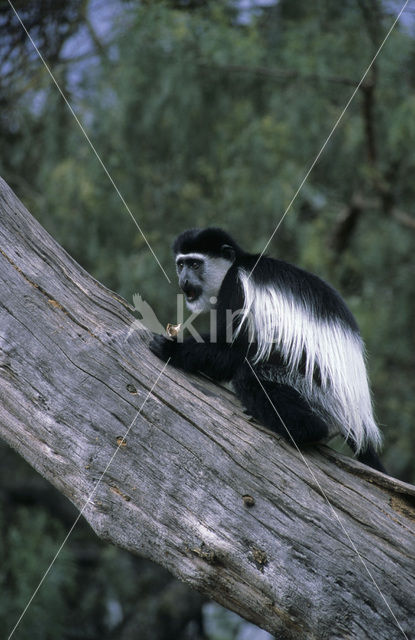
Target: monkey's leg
(280,408)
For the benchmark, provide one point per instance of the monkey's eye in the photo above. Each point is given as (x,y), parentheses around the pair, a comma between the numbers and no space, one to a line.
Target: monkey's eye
(180,265)
(195,265)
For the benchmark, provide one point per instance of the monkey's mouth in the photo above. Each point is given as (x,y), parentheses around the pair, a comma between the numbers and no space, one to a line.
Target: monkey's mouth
(191,293)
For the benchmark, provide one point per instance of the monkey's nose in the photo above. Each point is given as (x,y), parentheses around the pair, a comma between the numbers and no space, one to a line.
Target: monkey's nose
(183,284)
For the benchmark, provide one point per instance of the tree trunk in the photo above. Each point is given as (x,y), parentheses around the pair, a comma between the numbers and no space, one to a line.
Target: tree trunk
(318,550)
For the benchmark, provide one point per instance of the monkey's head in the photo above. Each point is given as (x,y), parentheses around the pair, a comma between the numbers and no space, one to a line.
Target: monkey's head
(203,258)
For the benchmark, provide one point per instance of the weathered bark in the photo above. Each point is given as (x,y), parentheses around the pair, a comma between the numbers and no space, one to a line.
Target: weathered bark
(72,380)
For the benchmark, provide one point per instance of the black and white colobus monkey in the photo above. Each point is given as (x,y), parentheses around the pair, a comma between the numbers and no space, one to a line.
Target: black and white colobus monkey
(294,330)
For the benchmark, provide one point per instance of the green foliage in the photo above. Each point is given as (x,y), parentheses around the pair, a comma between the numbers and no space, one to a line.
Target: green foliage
(27,546)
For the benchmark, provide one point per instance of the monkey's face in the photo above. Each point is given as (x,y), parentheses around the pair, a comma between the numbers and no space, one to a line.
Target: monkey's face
(200,278)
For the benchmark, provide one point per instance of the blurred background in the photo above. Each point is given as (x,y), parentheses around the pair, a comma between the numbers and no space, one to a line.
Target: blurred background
(205,113)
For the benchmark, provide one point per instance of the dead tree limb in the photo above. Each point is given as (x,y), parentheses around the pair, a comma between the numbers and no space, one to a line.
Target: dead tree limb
(222,503)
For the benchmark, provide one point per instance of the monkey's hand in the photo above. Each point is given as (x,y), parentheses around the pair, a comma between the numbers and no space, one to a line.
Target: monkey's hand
(162,347)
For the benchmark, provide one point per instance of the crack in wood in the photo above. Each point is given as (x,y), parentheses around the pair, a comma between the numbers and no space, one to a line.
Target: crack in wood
(49,298)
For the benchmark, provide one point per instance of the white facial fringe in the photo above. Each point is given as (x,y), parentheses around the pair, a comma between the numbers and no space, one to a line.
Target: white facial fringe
(213,273)
(276,320)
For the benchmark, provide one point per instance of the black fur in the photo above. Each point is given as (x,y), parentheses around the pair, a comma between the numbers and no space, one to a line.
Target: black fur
(208,241)
(280,407)
(368,456)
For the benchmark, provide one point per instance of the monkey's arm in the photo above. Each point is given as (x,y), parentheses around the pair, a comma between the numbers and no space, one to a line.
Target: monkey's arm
(218,361)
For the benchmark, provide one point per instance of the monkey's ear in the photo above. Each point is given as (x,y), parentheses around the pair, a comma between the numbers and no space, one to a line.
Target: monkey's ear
(227,252)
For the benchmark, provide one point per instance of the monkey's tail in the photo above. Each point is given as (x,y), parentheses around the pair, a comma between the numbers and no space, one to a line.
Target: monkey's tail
(368,456)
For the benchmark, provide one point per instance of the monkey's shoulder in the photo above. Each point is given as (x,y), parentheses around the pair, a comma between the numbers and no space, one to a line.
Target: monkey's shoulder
(304,288)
